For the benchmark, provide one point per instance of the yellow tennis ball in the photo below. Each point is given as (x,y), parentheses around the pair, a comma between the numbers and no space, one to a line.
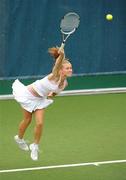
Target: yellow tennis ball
(109,17)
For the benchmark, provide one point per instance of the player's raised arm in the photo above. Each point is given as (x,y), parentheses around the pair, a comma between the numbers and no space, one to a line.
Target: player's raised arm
(58,55)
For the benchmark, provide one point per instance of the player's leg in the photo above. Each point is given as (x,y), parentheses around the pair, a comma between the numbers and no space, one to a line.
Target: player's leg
(27,117)
(39,118)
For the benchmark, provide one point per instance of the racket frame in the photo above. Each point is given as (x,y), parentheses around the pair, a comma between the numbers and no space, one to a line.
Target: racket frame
(66,34)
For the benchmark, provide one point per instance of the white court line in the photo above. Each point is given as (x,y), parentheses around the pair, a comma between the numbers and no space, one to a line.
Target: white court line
(63,166)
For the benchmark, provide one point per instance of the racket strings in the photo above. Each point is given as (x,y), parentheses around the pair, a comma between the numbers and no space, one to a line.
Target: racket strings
(70,22)
(68,25)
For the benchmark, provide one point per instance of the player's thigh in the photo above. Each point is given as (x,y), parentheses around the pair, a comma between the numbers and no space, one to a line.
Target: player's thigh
(27,116)
(39,116)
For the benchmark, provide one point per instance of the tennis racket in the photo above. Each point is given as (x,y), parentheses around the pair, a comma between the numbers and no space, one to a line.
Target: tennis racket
(68,25)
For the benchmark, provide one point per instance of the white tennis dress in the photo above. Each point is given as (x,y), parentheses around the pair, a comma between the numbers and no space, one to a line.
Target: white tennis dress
(30,102)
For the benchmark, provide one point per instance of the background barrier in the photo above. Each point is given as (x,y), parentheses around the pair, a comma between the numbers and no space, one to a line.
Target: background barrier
(29,28)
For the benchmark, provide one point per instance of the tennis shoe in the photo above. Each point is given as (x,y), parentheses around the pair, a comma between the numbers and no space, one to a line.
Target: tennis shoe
(21,143)
(34,151)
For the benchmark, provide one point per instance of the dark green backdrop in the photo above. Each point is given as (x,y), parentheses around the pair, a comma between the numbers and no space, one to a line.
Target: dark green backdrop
(29,27)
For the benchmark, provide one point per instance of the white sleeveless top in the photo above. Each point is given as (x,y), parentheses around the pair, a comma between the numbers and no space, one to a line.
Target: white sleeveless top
(44,86)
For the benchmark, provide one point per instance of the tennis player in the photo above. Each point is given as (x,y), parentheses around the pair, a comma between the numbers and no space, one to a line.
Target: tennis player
(35,97)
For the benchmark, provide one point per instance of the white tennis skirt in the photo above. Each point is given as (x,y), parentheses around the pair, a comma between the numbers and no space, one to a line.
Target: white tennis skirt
(28,102)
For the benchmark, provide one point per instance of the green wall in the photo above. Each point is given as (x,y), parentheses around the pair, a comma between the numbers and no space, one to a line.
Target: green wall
(77,82)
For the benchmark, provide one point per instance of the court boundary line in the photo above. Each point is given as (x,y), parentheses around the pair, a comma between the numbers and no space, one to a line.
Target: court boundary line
(63,166)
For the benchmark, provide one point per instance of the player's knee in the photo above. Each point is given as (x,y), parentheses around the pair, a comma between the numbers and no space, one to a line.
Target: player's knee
(39,123)
(27,120)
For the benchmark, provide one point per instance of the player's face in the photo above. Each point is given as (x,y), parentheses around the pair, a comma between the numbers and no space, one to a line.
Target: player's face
(67,70)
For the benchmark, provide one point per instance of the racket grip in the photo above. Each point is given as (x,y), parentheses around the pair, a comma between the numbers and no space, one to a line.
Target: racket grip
(62,46)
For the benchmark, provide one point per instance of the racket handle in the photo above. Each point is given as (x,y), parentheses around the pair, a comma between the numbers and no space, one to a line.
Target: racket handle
(62,46)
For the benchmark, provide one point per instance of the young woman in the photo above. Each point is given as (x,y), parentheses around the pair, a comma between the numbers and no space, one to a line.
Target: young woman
(35,97)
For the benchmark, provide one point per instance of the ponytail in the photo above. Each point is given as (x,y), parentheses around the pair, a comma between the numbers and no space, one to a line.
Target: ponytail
(54,52)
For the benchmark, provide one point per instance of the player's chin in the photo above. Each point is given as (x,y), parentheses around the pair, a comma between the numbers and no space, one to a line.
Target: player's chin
(69,74)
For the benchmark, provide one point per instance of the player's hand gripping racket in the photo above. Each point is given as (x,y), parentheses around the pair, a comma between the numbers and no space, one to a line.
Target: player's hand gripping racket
(68,25)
